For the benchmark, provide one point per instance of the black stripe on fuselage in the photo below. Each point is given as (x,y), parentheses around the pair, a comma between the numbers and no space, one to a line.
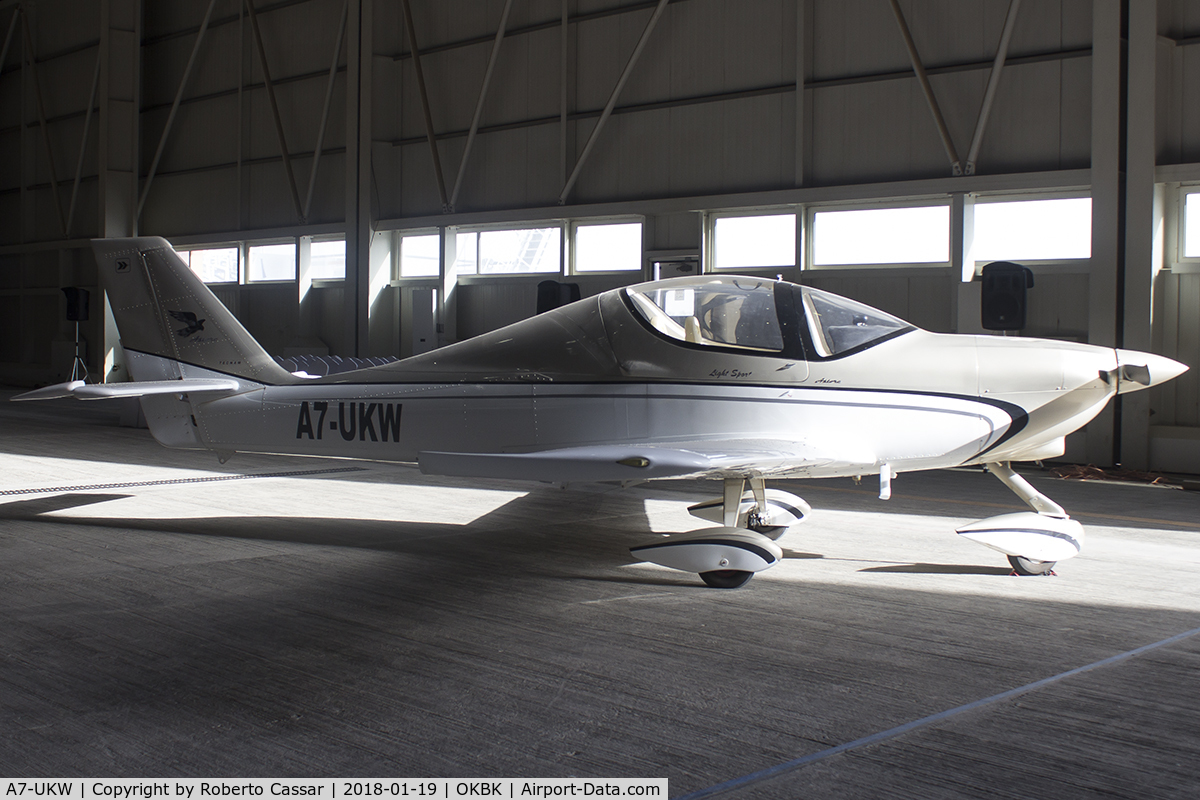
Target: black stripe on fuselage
(1017,415)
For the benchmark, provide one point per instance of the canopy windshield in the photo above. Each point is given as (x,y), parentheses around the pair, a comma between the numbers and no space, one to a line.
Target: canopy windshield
(725,312)
(838,325)
(757,314)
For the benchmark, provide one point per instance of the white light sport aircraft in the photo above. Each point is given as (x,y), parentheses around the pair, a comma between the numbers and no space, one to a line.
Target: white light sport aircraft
(717,376)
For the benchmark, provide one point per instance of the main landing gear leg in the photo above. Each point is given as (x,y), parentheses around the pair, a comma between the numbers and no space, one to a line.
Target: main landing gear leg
(733,501)
(730,578)
(751,520)
(759,515)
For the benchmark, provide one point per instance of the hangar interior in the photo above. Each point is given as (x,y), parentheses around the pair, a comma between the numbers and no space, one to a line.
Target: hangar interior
(362,178)
(377,178)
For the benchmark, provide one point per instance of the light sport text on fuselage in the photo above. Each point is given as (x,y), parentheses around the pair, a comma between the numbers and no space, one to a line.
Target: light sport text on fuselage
(354,420)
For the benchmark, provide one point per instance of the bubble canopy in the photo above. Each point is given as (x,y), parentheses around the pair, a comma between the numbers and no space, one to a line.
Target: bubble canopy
(756,314)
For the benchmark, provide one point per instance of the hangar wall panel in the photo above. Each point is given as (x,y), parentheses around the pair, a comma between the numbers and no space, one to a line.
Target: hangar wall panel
(874,126)
(1178,403)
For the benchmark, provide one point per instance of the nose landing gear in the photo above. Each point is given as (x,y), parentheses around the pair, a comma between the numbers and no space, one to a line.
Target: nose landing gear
(1033,540)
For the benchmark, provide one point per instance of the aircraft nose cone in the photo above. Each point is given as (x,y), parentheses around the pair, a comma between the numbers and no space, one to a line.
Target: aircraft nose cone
(1139,370)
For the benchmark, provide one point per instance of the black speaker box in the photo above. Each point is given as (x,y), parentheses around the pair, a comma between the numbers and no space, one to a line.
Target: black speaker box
(77,303)
(1003,306)
(552,294)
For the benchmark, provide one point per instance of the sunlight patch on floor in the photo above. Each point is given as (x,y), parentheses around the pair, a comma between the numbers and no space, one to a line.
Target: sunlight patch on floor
(856,549)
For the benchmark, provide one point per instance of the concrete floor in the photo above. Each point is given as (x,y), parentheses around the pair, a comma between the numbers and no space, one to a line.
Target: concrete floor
(377,622)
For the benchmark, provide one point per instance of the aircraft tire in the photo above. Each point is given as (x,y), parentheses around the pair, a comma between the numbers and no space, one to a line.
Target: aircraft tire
(1027,566)
(726,578)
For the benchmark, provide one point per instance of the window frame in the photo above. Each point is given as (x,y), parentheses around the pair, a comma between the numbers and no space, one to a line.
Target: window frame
(240,269)
(940,201)
(568,266)
(709,253)
(398,254)
(250,244)
(466,231)
(401,233)
(330,237)
(1181,257)
(563,232)
(990,198)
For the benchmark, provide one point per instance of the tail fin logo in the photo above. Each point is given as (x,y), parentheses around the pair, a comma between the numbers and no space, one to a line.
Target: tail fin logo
(189,319)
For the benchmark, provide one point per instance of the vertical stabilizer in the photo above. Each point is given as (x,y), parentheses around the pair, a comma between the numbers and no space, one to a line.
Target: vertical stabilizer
(163,309)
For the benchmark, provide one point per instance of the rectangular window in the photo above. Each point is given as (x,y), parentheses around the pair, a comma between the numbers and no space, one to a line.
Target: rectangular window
(743,242)
(918,235)
(419,255)
(213,265)
(327,260)
(1032,230)
(608,247)
(271,262)
(1191,225)
(466,253)
(526,250)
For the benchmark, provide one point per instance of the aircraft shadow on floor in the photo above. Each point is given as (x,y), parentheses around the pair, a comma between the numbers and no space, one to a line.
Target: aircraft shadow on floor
(515,531)
(941,569)
(558,548)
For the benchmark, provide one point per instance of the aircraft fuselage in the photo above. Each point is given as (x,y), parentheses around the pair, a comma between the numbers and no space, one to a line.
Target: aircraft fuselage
(947,401)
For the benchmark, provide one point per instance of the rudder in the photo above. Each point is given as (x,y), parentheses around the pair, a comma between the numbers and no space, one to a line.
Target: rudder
(163,309)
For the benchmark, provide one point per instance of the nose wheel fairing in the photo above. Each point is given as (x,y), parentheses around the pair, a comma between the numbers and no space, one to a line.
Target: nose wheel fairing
(1035,537)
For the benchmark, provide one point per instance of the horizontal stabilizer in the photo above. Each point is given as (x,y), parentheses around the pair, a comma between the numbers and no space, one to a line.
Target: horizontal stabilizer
(102,391)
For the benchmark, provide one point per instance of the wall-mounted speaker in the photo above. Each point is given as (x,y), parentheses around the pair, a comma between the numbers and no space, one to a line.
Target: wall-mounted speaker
(1003,305)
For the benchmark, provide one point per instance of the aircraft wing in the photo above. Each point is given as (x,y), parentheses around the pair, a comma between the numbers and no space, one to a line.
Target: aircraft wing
(703,458)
